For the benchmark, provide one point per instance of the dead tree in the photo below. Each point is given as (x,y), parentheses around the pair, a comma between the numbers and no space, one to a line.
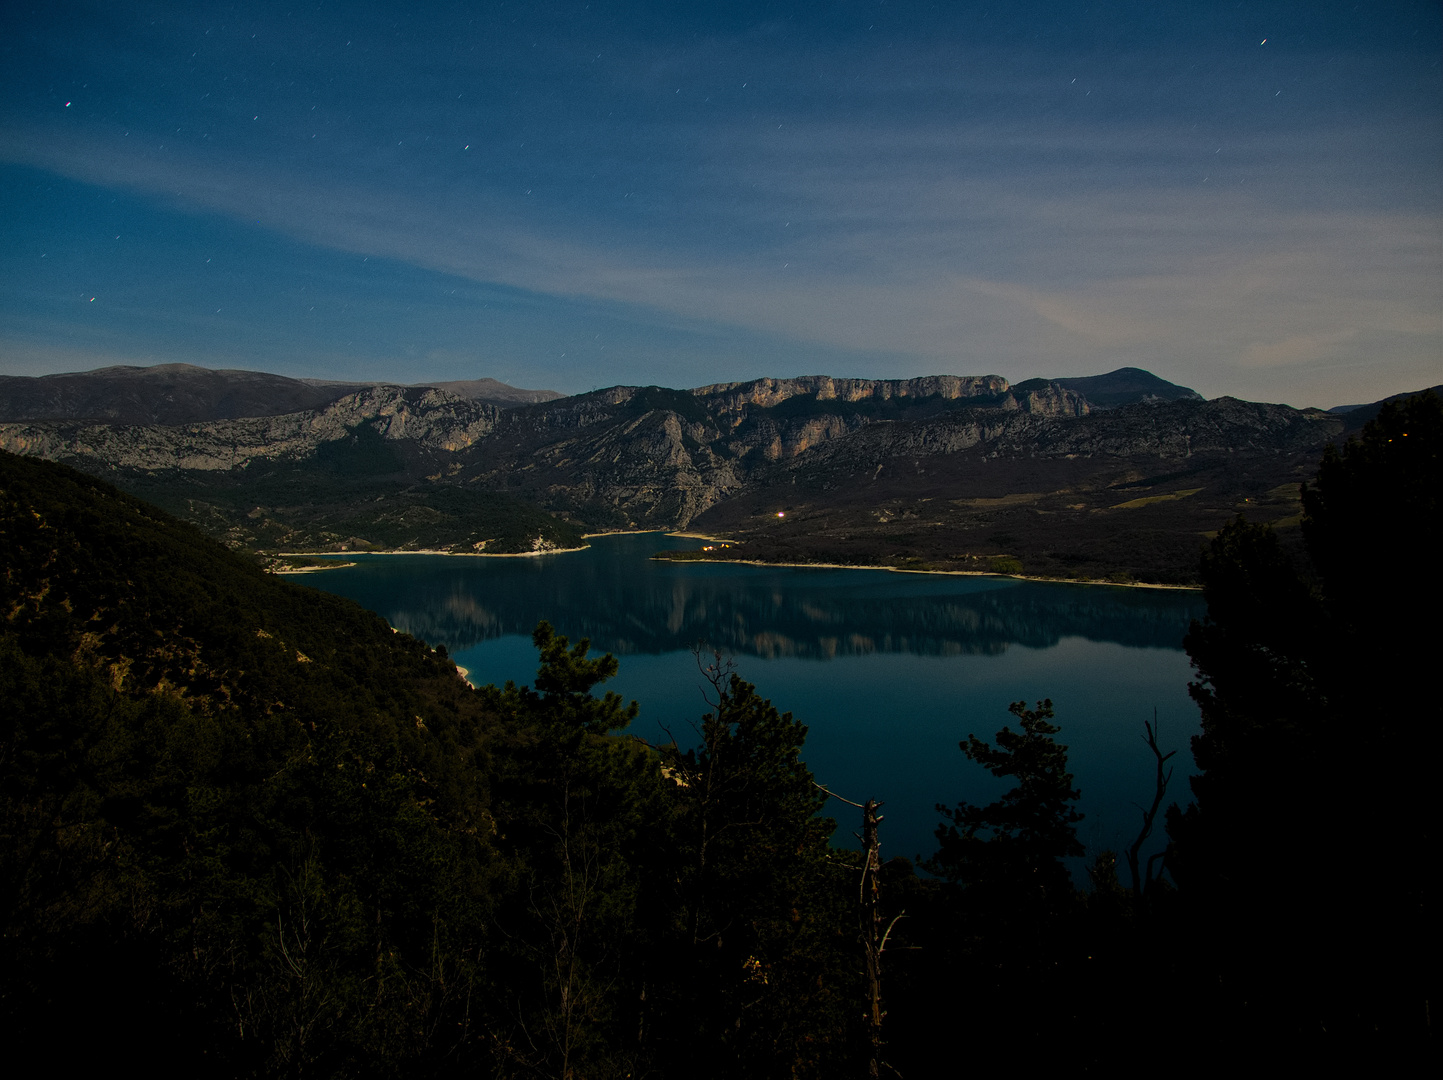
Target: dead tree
(869,925)
(1141,886)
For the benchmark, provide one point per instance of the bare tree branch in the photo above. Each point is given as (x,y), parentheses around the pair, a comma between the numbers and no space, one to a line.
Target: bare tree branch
(1140,885)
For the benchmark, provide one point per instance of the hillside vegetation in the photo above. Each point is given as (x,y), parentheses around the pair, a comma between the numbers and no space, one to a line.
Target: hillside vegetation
(248,829)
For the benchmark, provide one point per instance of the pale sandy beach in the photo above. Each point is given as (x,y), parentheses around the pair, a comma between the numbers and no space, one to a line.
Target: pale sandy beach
(421,551)
(952,573)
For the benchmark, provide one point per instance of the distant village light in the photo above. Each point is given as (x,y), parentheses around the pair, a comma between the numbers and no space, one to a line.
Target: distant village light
(781,514)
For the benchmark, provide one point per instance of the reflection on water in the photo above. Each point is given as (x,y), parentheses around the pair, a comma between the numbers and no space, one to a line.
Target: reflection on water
(918,662)
(628,604)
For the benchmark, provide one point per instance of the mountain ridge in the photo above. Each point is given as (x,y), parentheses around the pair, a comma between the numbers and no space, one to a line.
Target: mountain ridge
(942,472)
(173,394)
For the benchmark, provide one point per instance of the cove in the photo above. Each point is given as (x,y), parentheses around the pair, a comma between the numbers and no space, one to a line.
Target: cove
(888,671)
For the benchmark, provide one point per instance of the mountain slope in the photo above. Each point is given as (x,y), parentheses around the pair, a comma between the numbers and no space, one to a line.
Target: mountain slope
(359,473)
(172,394)
(1122,494)
(200,761)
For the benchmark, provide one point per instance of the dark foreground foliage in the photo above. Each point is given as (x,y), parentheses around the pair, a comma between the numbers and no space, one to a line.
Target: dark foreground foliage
(246,829)
(1303,858)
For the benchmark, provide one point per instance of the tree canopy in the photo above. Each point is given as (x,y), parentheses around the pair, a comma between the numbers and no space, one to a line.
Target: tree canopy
(253,814)
(1015,845)
(1320,734)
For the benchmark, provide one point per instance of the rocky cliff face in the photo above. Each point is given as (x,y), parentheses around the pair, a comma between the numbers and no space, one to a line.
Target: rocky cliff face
(651,457)
(432,419)
(623,457)
(771,420)
(734,399)
(1125,493)
(1166,431)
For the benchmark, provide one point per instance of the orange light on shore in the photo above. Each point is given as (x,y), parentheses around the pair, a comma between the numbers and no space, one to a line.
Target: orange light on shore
(781,514)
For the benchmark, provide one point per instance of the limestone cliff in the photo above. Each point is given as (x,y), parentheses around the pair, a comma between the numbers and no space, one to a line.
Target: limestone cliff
(432,419)
(733,399)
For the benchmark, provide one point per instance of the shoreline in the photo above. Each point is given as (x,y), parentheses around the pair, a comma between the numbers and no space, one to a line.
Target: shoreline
(951,573)
(660,557)
(423,551)
(704,536)
(681,533)
(311,569)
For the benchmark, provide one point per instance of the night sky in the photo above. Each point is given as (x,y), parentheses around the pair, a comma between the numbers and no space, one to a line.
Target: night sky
(1246,198)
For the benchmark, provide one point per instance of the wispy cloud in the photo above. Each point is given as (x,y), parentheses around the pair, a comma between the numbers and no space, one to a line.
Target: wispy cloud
(1240,220)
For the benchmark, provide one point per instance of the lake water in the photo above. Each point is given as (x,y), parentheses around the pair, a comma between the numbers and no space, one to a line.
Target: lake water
(888,671)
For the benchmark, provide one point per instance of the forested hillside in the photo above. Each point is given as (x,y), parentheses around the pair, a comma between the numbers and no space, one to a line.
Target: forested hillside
(238,815)
(248,829)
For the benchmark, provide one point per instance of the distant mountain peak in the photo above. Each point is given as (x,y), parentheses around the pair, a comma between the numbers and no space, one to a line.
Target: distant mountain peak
(494,392)
(1125,386)
(188,394)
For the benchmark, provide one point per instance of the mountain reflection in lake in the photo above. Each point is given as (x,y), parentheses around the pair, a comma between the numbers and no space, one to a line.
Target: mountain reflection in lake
(887,670)
(627,603)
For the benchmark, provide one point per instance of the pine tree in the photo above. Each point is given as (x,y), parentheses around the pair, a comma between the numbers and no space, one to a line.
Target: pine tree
(1012,849)
(995,933)
(754,965)
(577,812)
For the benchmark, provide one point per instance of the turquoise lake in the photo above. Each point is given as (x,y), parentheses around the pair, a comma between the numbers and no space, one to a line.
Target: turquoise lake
(888,671)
